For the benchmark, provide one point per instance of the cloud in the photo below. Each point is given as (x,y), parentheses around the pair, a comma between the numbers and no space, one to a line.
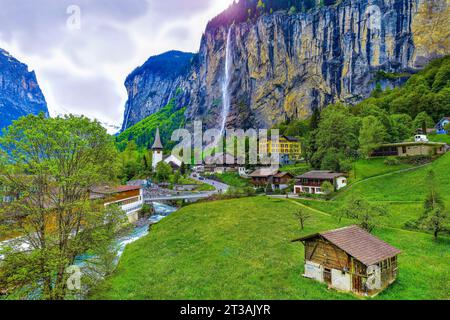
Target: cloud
(82,71)
(99,98)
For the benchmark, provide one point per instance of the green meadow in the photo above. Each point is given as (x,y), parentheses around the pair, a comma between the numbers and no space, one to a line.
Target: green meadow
(242,249)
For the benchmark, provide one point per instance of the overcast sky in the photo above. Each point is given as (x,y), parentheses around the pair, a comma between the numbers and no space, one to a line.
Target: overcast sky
(81,64)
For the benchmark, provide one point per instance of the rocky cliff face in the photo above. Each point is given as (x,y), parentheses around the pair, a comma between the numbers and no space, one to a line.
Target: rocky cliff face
(151,86)
(285,65)
(20,94)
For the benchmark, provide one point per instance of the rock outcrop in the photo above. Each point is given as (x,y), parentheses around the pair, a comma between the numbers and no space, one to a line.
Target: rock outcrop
(286,64)
(20,94)
(151,86)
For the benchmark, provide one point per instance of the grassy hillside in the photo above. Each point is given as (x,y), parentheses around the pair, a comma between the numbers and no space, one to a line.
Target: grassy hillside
(241,249)
(367,168)
(167,119)
(406,186)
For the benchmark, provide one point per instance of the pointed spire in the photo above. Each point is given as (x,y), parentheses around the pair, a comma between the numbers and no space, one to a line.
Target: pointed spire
(157,145)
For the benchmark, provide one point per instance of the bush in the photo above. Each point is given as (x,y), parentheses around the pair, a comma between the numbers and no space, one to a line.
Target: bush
(417,160)
(391,161)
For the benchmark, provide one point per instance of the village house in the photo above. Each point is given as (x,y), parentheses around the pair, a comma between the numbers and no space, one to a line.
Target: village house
(289,149)
(273,177)
(311,182)
(129,198)
(409,149)
(223,162)
(350,259)
(440,126)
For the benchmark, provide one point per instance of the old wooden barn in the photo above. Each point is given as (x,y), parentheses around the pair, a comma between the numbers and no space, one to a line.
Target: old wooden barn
(350,259)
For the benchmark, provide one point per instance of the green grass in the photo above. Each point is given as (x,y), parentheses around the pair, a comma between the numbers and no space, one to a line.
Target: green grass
(241,249)
(405,186)
(232,179)
(398,213)
(367,168)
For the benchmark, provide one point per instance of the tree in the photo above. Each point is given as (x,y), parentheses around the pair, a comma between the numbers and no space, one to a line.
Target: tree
(337,133)
(183,169)
(327,188)
(302,216)
(402,127)
(103,257)
(372,134)
(435,216)
(130,165)
(163,172)
(176,177)
(433,201)
(423,121)
(437,221)
(51,164)
(365,213)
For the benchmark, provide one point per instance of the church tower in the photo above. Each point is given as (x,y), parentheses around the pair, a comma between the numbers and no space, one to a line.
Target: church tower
(157,150)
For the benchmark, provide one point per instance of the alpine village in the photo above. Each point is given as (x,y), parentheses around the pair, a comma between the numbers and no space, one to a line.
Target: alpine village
(357,206)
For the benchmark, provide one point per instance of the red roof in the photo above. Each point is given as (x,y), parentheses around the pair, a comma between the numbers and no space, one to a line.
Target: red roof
(359,244)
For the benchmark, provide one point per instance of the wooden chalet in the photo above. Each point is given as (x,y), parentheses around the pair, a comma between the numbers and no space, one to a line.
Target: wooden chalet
(350,259)
(267,176)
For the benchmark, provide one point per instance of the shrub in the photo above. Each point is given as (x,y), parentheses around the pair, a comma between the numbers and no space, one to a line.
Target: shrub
(417,160)
(391,161)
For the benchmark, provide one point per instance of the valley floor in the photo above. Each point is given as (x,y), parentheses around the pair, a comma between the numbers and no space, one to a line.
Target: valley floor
(241,249)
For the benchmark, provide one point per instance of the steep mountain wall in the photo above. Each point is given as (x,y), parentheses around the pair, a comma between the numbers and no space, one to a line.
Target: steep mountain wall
(285,64)
(151,86)
(20,94)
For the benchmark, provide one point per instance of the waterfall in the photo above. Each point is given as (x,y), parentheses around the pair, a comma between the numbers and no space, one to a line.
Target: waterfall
(226,100)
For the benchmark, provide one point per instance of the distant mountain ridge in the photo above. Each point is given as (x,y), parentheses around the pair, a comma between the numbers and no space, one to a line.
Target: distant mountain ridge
(20,94)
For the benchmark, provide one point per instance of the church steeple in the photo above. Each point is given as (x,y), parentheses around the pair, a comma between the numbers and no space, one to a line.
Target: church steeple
(157,145)
(157,150)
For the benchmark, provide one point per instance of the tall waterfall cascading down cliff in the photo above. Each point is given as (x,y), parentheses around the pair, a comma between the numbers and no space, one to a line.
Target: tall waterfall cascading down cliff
(226,100)
(282,65)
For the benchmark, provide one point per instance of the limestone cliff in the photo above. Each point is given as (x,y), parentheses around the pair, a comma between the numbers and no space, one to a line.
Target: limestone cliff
(151,86)
(20,94)
(285,64)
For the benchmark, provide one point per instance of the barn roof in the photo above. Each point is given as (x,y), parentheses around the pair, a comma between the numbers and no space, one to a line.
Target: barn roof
(322,175)
(359,244)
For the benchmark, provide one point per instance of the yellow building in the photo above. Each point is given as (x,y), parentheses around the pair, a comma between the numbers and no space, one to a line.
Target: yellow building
(288,146)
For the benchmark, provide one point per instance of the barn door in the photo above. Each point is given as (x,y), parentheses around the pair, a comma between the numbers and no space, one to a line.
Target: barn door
(327,275)
(357,284)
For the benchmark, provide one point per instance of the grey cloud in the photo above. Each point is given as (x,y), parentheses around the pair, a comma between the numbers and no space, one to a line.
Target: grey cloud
(87,95)
(41,24)
(105,44)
